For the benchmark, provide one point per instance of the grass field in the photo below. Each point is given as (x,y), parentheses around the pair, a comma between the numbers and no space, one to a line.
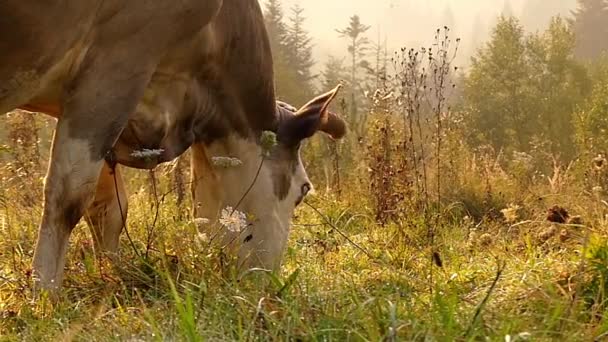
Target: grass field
(345,278)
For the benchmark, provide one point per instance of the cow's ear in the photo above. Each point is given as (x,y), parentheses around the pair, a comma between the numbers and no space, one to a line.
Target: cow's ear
(311,118)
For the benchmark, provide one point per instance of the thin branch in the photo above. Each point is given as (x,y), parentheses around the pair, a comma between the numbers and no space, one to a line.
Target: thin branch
(482,305)
(122,215)
(250,186)
(333,226)
(151,229)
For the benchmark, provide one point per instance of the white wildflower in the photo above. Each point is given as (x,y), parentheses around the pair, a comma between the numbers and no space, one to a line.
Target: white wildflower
(226,162)
(146,153)
(523,159)
(597,189)
(511,213)
(233,220)
(202,239)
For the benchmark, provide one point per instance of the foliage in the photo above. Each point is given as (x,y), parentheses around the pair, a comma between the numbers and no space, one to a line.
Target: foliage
(592,121)
(521,91)
(358,48)
(589,24)
(595,290)
(536,14)
(292,53)
(298,47)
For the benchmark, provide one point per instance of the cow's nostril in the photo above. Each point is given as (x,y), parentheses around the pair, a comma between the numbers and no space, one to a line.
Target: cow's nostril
(306,189)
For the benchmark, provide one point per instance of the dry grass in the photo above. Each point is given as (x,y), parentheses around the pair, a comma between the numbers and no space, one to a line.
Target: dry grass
(329,288)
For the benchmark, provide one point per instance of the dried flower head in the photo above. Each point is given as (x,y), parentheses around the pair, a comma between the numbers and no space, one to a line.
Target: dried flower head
(233,220)
(485,240)
(268,141)
(599,162)
(564,235)
(226,162)
(202,239)
(557,214)
(146,153)
(511,213)
(523,159)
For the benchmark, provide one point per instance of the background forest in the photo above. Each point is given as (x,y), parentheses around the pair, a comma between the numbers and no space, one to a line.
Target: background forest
(469,199)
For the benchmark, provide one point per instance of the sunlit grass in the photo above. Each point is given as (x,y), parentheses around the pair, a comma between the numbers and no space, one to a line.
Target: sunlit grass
(376,286)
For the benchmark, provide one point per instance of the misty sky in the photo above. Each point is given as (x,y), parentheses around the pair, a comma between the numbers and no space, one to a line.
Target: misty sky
(412,22)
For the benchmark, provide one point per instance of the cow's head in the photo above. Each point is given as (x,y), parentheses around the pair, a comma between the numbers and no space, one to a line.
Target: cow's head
(264,179)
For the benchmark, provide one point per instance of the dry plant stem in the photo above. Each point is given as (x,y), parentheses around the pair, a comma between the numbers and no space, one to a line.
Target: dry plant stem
(333,227)
(122,215)
(439,75)
(336,160)
(481,306)
(581,270)
(257,174)
(151,229)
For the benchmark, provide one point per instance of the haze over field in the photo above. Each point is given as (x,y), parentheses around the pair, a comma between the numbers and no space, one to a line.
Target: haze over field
(412,22)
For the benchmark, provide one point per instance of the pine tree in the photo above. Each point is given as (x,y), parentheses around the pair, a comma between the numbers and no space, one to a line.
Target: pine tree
(358,46)
(285,77)
(299,54)
(322,152)
(379,70)
(496,90)
(273,17)
(537,14)
(590,25)
(333,72)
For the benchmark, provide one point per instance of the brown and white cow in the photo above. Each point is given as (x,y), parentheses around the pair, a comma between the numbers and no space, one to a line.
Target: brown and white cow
(123,77)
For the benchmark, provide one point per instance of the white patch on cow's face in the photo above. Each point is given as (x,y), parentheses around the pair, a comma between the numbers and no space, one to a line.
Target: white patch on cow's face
(281,184)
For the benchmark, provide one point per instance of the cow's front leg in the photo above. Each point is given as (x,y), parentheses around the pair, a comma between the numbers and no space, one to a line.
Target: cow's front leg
(207,196)
(107,214)
(96,110)
(69,188)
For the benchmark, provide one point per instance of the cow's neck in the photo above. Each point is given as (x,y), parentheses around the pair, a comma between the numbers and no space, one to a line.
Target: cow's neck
(225,75)
(245,62)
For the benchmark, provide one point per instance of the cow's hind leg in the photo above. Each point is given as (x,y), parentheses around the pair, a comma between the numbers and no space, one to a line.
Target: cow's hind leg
(108,213)
(96,110)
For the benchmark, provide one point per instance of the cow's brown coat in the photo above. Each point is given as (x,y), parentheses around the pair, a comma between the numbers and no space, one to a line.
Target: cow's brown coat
(123,76)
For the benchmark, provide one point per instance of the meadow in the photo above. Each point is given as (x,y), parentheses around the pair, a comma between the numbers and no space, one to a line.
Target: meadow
(420,229)
(345,277)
